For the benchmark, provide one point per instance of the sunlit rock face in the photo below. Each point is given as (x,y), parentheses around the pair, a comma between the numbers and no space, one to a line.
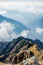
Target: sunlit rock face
(21,51)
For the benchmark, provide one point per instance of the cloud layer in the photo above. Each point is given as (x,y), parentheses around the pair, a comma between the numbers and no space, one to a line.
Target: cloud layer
(25,33)
(35,7)
(39,30)
(3,12)
(6,31)
(21,0)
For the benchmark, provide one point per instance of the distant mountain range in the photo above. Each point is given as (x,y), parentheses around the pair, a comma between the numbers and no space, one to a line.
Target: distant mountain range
(18,26)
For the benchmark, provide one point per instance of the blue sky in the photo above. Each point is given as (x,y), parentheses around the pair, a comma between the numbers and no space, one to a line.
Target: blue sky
(29,13)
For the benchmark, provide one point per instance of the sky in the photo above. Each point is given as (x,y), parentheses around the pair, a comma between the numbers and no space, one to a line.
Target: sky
(22,0)
(27,12)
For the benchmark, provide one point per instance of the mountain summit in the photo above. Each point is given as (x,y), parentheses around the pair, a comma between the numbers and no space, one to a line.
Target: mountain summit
(21,49)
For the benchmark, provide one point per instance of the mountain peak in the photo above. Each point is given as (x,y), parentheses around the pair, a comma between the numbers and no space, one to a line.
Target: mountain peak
(21,37)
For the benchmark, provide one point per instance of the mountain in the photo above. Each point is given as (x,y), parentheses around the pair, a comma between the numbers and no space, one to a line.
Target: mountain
(21,49)
(12,28)
(2,45)
(13,43)
(18,26)
(39,43)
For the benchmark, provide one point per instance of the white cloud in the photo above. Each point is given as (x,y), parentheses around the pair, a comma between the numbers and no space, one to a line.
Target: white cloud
(3,12)
(39,30)
(35,7)
(7,31)
(25,33)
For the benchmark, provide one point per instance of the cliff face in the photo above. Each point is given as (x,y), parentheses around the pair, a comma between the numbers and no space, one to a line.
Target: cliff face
(19,50)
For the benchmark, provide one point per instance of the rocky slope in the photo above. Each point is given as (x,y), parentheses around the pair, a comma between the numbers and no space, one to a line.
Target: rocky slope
(20,49)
